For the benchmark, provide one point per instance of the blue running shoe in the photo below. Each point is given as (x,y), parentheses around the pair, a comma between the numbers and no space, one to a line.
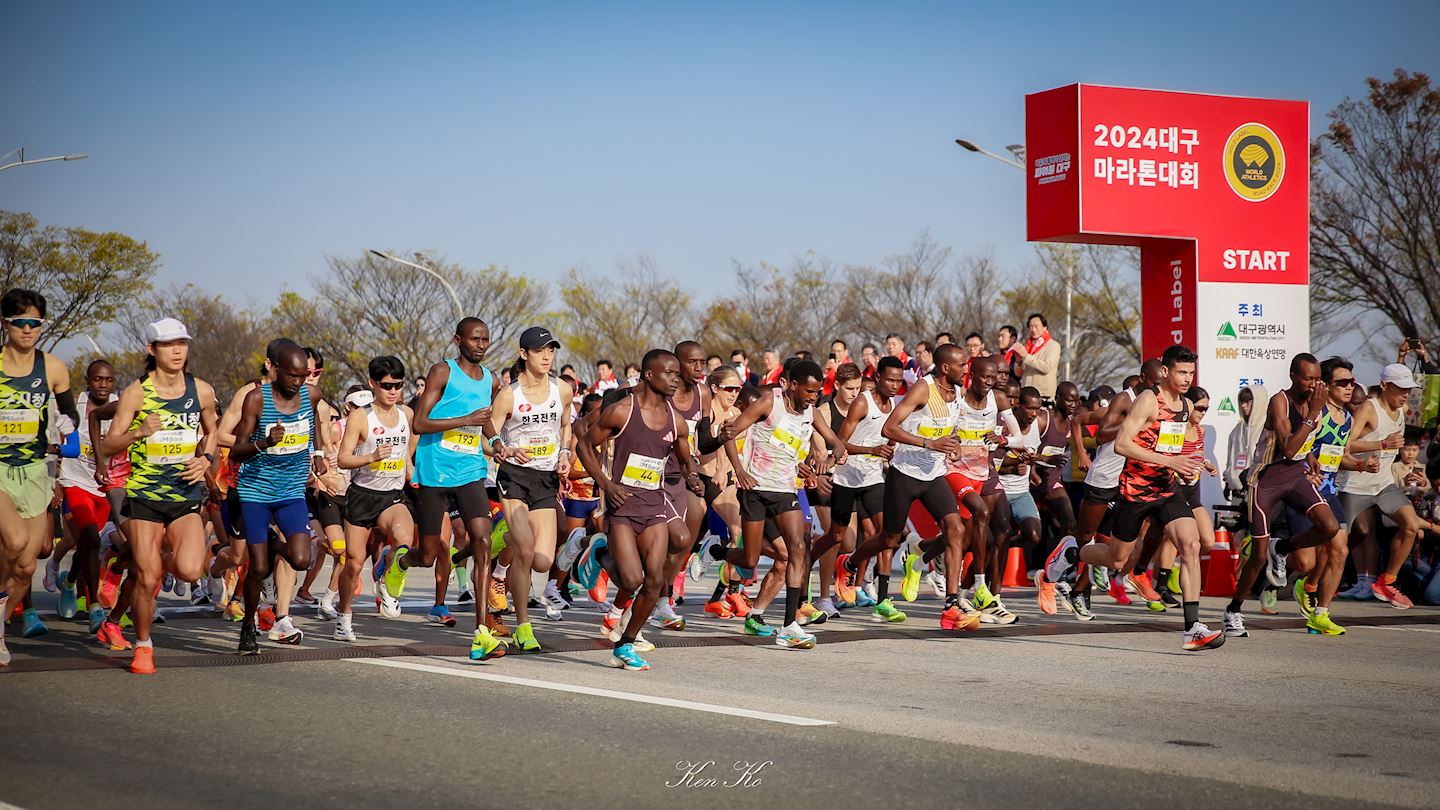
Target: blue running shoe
(863,599)
(67,608)
(97,618)
(626,658)
(441,615)
(382,560)
(587,571)
(33,626)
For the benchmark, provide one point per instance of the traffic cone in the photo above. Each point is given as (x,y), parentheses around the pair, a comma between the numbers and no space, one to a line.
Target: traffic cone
(1218,572)
(1015,569)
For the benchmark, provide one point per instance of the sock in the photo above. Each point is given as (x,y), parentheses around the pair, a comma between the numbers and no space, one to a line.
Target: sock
(952,599)
(500,571)
(1164,576)
(792,604)
(624,640)
(1192,613)
(146,643)
(1319,611)
(718,593)
(882,587)
(979,581)
(1311,586)
(1283,547)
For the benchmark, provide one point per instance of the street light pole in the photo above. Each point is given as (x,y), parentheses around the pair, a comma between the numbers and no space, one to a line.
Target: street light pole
(1018,150)
(23,162)
(454,297)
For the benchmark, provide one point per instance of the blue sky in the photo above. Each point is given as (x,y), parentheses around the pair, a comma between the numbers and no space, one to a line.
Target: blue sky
(247,141)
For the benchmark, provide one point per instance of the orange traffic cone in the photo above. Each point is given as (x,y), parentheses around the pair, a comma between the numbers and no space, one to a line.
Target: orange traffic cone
(1217,574)
(1015,569)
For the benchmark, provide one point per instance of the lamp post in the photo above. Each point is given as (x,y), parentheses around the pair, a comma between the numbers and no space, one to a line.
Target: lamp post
(23,162)
(454,297)
(1018,162)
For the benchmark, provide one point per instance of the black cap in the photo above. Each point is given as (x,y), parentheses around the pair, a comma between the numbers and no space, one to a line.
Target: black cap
(537,337)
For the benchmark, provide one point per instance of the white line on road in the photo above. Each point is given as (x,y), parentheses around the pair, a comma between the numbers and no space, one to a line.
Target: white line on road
(590,690)
(1411,629)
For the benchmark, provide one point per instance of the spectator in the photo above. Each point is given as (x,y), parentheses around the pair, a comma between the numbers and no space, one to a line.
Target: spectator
(924,358)
(943,338)
(741,362)
(1005,348)
(1040,357)
(975,345)
(713,362)
(1241,449)
(773,369)
(1422,356)
(895,347)
(604,377)
(632,375)
(869,357)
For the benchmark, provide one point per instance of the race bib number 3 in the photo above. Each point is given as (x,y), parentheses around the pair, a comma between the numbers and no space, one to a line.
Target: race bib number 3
(295,440)
(1329,456)
(1171,438)
(175,446)
(462,440)
(19,425)
(642,472)
(785,438)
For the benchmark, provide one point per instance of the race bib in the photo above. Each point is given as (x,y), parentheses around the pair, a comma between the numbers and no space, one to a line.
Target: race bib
(295,440)
(1306,447)
(1242,461)
(690,426)
(175,446)
(540,451)
(19,425)
(462,440)
(392,467)
(933,430)
(785,438)
(976,432)
(1171,438)
(1330,455)
(86,450)
(642,472)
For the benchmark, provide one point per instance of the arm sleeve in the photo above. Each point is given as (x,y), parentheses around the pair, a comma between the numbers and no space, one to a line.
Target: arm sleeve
(705,441)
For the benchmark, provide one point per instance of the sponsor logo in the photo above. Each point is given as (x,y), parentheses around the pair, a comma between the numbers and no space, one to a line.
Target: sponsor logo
(188,403)
(1227,332)
(35,383)
(525,407)
(1052,169)
(1227,407)
(1254,162)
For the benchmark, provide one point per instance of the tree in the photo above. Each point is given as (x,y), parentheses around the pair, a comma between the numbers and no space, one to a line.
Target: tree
(621,320)
(785,310)
(88,278)
(1375,209)
(227,346)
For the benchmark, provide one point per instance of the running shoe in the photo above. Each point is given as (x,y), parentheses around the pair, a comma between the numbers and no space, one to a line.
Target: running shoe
(304,597)
(66,607)
(344,628)
(285,632)
(910,585)
(234,611)
(109,586)
(125,620)
(827,606)
(4,653)
(326,605)
(666,617)
(554,603)
(807,615)
(1044,594)
(395,574)
(793,638)
(1274,564)
(1304,600)
(983,596)
(953,618)
(642,644)
(995,612)
(1320,624)
(33,626)
(496,625)
(885,611)
(703,559)
(1080,606)
(1117,591)
(610,627)
(624,657)
(1172,582)
(525,638)
(112,636)
(52,573)
(1168,599)
(159,617)
(1361,590)
(756,627)
(440,615)
(1156,607)
(573,547)
(200,595)
(144,661)
(936,581)
(1269,601)
(845,580)
(1200,637)
(739,603)
(266,618)
(1143,588)
(97,618)
(181,589)
(1387,592)
(719,609)
(1062,560)
(485,646)
(249,644)
(863,599)
(587,570)
(1235,625)
(496,600)
(601,590)
(1099,577)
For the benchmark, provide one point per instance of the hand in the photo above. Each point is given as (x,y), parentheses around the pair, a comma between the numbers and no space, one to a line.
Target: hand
(1420,350)
(826,485)
(1188,467)
(149,426)
(806,469)
(615,494)
(380,454)
(1315,405)
(197,468)
(562,467)
(1034,479)
(1314,476)
(478,418)
(727,431)
(695,485)
(515,455)
(1414,477)
(275,436)
(102,475)
(744,480)
(837,457)
(1082,463)
(1210,468)
(1019,347)
(319,466)
(57,498)
(949,445)
(885,451)
(1393,441)
(1371,465)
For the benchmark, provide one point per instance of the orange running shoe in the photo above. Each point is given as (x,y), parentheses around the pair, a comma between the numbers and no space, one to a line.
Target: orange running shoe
(601,589)
(953,618)
(844,580)
(719,609)
(1387,592)
(739,605)
(144,661)
(610,627)
(1141,581)
(498,604)
(266,619)
(1045,593)
(112,636)
(497,627)
(109,586)
(1117,591)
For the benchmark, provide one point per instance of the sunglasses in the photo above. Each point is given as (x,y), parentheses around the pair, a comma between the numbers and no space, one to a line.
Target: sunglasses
(730,389)
(391,386)
(1350,383)
(26,323)
(1201,408)
(316,373)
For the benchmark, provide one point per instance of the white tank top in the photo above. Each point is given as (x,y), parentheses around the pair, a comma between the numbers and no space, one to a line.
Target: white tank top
(975,428)
(387,474)
(776,446)
(934,420)
(535,428)
(864,471)
(1105,469)
(1028,440)
(1368,483)
(80,472)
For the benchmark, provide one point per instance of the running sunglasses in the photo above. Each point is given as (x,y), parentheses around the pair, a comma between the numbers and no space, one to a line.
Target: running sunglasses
(1201,408)
(391,386)
(26,323)
(730,389)
(1346,383)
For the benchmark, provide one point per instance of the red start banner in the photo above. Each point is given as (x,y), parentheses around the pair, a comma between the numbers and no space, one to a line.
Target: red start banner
(1214,190)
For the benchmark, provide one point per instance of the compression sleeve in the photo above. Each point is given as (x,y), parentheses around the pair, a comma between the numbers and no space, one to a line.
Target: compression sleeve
(705,441)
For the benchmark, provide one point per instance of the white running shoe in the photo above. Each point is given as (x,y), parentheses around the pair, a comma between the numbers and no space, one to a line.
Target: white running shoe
(1200,637)
(827,606)
(181,589)
(1235,625)
(387,605)
(936,581)
(996,613)
(1275,564)
(285,632)
(325,606)
(794,638)
(344,631)
(4,653)
(701,561)
(571,551)
(1058,564)
(1100,578)
(554,605)
(665,615)
(52,573)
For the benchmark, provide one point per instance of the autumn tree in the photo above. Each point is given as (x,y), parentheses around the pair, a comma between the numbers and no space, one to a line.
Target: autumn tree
(228,341)
(621,318)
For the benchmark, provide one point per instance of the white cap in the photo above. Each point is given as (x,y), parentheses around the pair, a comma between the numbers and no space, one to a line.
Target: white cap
(360,399)
(165,329)
(1398,375)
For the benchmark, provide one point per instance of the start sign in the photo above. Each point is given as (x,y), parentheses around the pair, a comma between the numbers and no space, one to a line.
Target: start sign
(1203,186)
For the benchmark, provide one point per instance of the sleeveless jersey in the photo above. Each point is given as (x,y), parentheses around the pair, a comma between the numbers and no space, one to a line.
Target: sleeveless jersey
(534,427)
(1054,445)
(1144,482)
(865,470)
(777,445)
(1268,452)
(934,421)
(1356,482)
(24,417)
(637,462)
(1330,444)
(1105,469)
(279,473)
(387,474)
(1029,439)
(976,430)
(691,415)
(80,472)
(157,460)
(455,457)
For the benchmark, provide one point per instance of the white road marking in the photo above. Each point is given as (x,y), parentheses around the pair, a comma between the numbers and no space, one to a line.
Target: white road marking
(1411,629)
(728,711)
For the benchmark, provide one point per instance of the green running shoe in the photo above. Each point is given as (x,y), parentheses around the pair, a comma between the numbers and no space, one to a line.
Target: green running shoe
(1320,624)
(395,574)
(1172,584)
(1269,601)
(910,586)
(1156,607)
(983,597)
(1305,600)
(485,645)
(885,611)
(525,638)
(758,628)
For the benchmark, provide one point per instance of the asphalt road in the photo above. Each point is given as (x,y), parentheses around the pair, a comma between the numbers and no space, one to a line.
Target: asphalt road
(1048,711)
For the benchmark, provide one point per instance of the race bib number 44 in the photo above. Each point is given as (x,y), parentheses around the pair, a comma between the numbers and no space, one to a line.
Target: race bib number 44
(642,472)
(175,446)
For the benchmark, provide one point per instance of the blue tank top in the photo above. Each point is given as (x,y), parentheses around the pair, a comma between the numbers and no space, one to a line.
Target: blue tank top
(455,457)
(281,472)
(1330,441)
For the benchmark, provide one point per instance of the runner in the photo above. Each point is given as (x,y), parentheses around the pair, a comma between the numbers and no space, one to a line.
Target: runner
(1015,474)
(1059,433)
(89,510)
(1151,439)
(161,419)
(692,402)
(452,418)
(532,417)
